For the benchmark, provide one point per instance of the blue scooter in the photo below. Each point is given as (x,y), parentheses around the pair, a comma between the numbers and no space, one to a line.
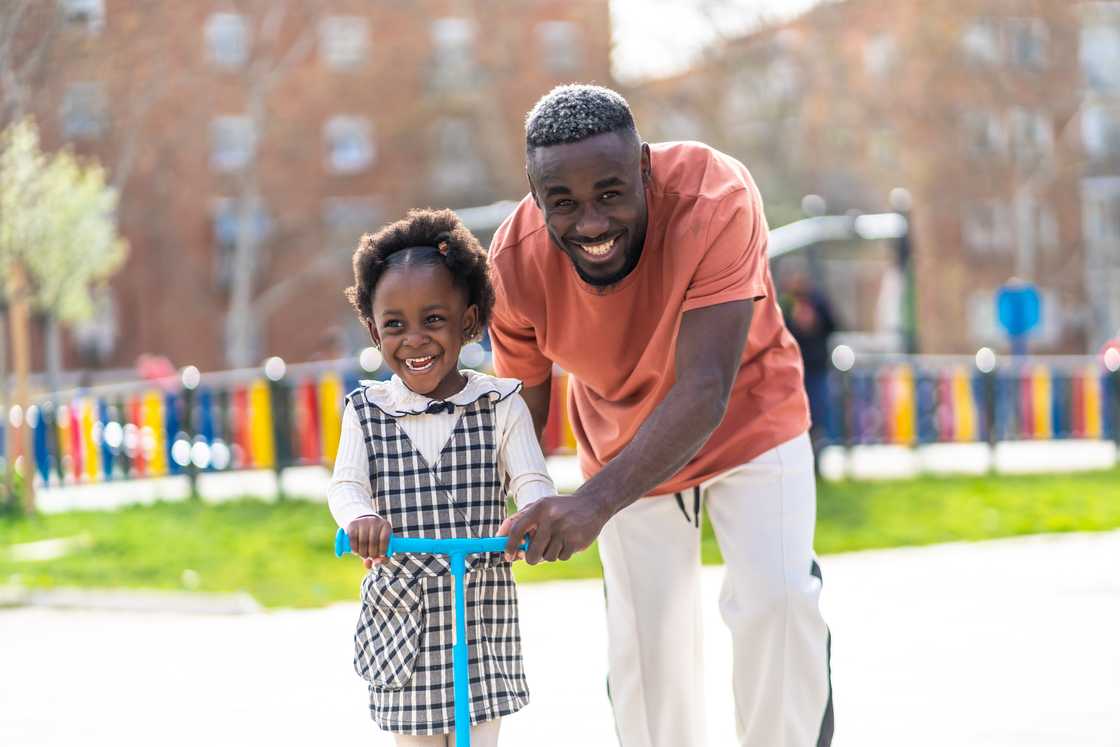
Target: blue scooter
(456,549)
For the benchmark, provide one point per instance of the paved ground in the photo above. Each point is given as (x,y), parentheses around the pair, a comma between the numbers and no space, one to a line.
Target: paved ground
(994,644)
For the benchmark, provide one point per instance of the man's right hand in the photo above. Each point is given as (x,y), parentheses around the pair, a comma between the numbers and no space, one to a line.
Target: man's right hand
(559,526)
(369,539)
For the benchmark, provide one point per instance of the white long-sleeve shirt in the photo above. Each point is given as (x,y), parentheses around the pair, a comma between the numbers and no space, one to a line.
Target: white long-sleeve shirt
(520,459)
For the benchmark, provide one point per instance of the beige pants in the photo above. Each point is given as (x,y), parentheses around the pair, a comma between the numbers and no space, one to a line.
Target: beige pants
(763,514)
(482,735)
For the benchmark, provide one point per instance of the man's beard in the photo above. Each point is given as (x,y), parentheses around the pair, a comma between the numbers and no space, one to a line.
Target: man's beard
(632,257)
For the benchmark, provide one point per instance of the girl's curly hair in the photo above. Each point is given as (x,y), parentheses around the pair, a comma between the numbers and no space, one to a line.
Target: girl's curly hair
(431,237)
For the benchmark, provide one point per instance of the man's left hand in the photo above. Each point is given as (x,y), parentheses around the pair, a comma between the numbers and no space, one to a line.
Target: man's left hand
(559,526)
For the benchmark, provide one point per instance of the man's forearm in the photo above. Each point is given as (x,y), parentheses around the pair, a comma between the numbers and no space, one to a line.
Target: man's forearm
(665,443)
(709,350)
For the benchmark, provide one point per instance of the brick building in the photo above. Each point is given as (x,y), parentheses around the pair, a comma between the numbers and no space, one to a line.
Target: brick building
(999,116)
(255,141)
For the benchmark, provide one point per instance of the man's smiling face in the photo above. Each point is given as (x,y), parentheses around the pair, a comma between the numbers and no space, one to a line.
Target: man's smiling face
(592,194)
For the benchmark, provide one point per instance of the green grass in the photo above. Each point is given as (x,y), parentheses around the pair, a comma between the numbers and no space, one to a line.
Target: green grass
(280,553)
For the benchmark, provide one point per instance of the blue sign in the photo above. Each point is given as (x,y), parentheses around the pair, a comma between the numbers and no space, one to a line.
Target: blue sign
(1019,309)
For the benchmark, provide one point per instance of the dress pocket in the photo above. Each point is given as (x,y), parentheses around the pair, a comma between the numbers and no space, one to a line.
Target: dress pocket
(389,630)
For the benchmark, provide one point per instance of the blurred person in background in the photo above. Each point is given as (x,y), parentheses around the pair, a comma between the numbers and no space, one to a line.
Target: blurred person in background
(641,269)
(810,320)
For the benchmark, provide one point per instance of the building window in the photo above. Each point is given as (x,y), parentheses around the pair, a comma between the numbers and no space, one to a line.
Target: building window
(344,41)
(453,57)
(349,142)
(679,121)
(227,219)
(986,226)
(561,46)
(1036,224)
(1032,134)
(233,141)
(983,327)
(880,55)
(883,147)
(458,166)
(1100,49)
(1100,131)
(1049,230)
(981,42)
(96,337)
(87,15)
(781,80)
(740,109)
(1027,43)
(1100,207)
(345,219)
(83,111)
(985,135)
(227,39)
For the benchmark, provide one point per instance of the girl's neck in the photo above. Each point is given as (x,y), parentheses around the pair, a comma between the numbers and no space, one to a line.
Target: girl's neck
(451,385)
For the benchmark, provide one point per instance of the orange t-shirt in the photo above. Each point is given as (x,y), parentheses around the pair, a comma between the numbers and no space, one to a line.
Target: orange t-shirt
(705,244)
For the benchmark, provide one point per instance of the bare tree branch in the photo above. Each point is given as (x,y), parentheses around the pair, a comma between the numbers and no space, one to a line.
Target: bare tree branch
(262,75)
(272,298)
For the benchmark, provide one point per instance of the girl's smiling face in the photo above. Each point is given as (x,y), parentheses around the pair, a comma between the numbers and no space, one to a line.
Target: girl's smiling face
(420,320)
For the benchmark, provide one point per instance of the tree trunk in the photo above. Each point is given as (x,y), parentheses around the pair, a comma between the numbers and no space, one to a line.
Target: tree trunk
(7,500)
(240,325)
(241,322)
(54,352)
(19,301)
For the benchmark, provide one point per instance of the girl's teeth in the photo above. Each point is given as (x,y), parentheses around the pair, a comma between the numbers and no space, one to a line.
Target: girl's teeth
(418,363)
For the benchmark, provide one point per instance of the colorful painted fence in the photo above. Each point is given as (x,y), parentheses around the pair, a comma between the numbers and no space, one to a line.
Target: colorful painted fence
(917,400)
(242,420)
(227,421)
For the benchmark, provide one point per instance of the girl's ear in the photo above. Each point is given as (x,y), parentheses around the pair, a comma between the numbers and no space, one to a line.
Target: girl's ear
(373,334)
(470,323)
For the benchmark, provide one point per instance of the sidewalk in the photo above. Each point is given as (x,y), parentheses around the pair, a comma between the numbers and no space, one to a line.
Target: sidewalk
(994,644)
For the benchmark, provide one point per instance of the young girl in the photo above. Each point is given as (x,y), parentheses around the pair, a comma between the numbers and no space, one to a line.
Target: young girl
(432,452)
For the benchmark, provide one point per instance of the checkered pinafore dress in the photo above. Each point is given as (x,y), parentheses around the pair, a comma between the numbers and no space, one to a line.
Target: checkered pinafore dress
(405,630)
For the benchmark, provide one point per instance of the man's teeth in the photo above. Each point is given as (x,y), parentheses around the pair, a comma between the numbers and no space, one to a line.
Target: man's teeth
(418,364)
(598,249)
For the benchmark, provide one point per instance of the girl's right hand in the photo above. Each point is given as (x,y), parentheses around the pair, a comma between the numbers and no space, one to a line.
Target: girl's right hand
(369,539)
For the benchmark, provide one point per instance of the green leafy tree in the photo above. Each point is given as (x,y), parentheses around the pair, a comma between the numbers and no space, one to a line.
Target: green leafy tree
(58,241)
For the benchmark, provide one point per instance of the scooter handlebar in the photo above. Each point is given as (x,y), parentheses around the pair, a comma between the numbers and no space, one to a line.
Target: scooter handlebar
(464,545)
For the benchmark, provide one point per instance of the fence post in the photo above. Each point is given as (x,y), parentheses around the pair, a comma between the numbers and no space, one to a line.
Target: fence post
(902,203)
(843,358)
(282,431)
(986,363)
(187,427)
(1115,377)
(275,370)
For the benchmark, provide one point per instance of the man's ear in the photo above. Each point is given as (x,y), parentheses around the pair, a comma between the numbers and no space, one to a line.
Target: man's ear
(470,323)
(646,165)
(532,189)
(373,333)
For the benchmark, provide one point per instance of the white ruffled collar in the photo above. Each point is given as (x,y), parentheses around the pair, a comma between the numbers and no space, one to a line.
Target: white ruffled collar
(395,399)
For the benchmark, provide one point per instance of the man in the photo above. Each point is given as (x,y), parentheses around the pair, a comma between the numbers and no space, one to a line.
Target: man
(642,271)
(810,320)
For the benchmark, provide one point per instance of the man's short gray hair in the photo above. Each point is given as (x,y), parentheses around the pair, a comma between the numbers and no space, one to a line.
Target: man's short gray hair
(571,113)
